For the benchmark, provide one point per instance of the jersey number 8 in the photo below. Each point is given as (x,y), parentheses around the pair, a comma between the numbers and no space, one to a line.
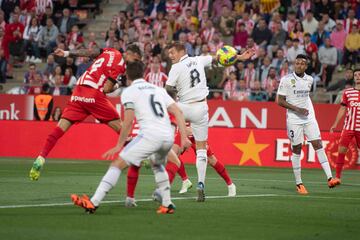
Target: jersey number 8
(195,77)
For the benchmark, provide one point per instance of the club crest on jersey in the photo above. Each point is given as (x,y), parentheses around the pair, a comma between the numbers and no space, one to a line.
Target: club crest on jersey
(293,81)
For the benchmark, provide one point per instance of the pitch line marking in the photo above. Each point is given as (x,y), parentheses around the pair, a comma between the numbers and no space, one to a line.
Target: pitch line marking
(138,200)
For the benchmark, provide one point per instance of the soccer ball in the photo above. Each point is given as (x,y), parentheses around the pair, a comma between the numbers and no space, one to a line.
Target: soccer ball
(226,55)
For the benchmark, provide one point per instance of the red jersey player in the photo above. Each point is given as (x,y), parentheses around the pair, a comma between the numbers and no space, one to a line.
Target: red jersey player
(213,161)
(88,97)
(350,105)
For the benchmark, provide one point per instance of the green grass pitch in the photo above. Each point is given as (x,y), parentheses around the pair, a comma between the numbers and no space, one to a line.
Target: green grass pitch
(267,206)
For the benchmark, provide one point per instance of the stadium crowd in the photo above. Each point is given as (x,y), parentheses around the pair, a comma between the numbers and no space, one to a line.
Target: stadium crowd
(326,30)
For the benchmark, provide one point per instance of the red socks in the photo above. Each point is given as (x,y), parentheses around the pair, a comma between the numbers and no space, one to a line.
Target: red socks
(51,141)
(220,169)
(182,172)
(171,169)
(132,179)
(339,164)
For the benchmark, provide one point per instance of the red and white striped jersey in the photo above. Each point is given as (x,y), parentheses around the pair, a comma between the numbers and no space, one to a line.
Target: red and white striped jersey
(351,100)
(109,64)
(173,7)
(348,24)
(158,79)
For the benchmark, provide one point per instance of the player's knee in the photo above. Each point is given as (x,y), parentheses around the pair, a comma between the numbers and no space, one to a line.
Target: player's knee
(317,144)
(297,149)
(201,144)
(120,163)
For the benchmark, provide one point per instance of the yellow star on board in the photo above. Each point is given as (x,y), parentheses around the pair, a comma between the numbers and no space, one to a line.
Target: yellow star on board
(250,150)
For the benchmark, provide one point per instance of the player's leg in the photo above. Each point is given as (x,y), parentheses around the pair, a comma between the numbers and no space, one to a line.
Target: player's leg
(173,165)
(186,183)
(221,170)
(296,136)
(312,132)
(345,139)
(158,161)
(132,179)
(51,141)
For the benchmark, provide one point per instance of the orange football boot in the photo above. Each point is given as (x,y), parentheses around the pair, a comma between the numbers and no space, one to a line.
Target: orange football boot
(333,182)
(301,189)
(166,210)
(83,202)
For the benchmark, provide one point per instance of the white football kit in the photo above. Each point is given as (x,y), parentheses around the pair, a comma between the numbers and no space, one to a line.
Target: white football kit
(297,90)
(156,136)
(188,77)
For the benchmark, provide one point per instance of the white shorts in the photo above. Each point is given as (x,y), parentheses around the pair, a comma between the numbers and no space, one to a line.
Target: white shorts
(141,148)
(296,132)
(198,116)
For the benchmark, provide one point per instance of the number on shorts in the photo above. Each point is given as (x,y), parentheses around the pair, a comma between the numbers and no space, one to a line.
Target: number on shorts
(96,65)
(195,77)
(292,133)
(156,107)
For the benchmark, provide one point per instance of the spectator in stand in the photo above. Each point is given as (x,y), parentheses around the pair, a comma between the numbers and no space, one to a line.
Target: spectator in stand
(226,26)
(352,46)
(188,46)
(328,59)
(216,43)
(277,40)
(41,5)
(3,67)
(250,75)
(263,71)
(309,46)
(8,7)
(13,38)
(48,14)
(268,7)
(258,94)
(57,72)
(295,50)
(58,88)
(208,32)
(56,116)
(276,19)
(298,32)
(285,69)
(58,8)
(271,84)
(193,34)
(91,41)
(329,23)
(134,6)
(240,37)
(43,104)
(189,18)
(217,7)
(155,76)
(261,34)
(239,7)
(31,37)
(291,21)
(2,22)
(259,61)
(319,36)
(155,7)
(351,21)
(249,23)
(69,62)
(30,74)
(69,80)
(75,39)
(66,22)
(183,28)
(240,70)
(231,87)
(36,84)
(324,7)
(198,46)
(49,67)
(315,69)
(254,9)
(344,11)
(243,92)
(85,64)
(310,24)
(341,83)
(294,7)
(279,60)
(48,36)
(304,7)
(338,37)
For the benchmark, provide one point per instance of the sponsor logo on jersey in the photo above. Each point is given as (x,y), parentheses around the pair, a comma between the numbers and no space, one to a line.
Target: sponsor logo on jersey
(354,104)
(82,99)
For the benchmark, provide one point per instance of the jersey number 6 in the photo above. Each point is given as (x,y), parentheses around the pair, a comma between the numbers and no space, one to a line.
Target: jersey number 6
(156,107)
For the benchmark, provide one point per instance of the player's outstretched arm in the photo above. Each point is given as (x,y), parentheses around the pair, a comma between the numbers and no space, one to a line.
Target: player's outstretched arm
(78,53)
(175,110)
(339,116)
(129,116)
(281,101)
(246,55)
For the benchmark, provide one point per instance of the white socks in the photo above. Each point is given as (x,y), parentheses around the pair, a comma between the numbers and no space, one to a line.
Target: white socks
(324,162)
(296,164)
(163,184)
(201,162)
(107,183)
